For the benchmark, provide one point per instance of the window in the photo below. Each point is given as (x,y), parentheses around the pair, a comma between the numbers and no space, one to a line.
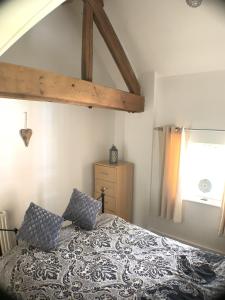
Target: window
(204,173)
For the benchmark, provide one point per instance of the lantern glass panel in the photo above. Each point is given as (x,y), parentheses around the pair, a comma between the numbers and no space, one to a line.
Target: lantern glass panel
(113,155)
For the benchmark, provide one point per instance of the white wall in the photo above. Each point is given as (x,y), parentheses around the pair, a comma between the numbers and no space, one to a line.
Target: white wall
(138,149)
(195,101)
(66,139)
(133,134)
(190,100)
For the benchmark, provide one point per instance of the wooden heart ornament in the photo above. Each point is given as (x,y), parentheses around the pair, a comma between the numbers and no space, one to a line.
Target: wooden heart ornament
(26,135)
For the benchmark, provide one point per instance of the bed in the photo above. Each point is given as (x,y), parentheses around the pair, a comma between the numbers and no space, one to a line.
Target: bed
(116,260)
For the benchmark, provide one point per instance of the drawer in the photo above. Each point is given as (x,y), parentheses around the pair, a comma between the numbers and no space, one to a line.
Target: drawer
(105,173)
(110,187)
(107,211)
(110,202)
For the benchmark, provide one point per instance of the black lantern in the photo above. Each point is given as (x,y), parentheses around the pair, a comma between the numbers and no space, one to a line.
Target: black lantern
(113,155)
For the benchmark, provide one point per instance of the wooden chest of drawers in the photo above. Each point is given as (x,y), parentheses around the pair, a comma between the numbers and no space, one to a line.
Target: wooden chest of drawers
(118,183)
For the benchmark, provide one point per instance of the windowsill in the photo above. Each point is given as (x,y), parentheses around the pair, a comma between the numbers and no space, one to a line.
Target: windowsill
(207,202)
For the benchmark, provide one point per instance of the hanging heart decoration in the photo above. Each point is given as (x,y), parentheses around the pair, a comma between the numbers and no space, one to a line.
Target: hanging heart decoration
(26,135)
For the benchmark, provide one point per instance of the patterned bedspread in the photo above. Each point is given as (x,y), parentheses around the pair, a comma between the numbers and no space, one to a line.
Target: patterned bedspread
(117,260)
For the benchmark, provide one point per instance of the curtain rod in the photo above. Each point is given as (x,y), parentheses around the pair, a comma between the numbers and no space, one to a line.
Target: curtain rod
(160,128)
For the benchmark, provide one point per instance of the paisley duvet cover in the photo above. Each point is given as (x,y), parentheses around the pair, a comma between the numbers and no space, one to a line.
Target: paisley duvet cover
(116,260)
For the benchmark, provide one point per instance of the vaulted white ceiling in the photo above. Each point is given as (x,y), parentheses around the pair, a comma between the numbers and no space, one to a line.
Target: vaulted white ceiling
(19,16)
(166,36)
(170,37)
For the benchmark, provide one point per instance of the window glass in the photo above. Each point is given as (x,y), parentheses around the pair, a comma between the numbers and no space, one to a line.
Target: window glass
(204,172)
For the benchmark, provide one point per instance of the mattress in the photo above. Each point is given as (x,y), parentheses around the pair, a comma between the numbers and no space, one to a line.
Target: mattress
(116,260)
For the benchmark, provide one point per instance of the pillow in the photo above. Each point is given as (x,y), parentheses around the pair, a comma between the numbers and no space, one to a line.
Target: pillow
(82,210)
(40,228)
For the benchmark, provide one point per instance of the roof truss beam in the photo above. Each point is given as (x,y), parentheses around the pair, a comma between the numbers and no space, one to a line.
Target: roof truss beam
(19,82)
(112,41)
(87,43)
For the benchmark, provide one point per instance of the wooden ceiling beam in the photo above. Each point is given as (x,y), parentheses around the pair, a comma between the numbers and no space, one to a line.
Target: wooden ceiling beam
(114,46)
(101,2)
(87,43)
(19,82)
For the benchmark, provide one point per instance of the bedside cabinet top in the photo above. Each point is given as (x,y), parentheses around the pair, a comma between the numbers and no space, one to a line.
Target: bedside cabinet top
(106,163)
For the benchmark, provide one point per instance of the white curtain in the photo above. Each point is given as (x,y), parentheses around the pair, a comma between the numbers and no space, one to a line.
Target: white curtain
(222,219)
(174,146)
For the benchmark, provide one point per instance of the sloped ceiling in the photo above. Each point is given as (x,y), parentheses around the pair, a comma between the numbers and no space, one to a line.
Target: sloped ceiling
(166,36)
(170,37)
(17,17)
(54,44)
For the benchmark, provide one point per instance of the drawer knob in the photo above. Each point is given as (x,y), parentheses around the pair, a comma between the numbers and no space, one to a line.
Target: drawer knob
(103,189)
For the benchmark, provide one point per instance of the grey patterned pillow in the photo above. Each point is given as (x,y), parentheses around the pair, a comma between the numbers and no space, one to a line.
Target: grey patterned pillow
(40,228)
(82,210)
